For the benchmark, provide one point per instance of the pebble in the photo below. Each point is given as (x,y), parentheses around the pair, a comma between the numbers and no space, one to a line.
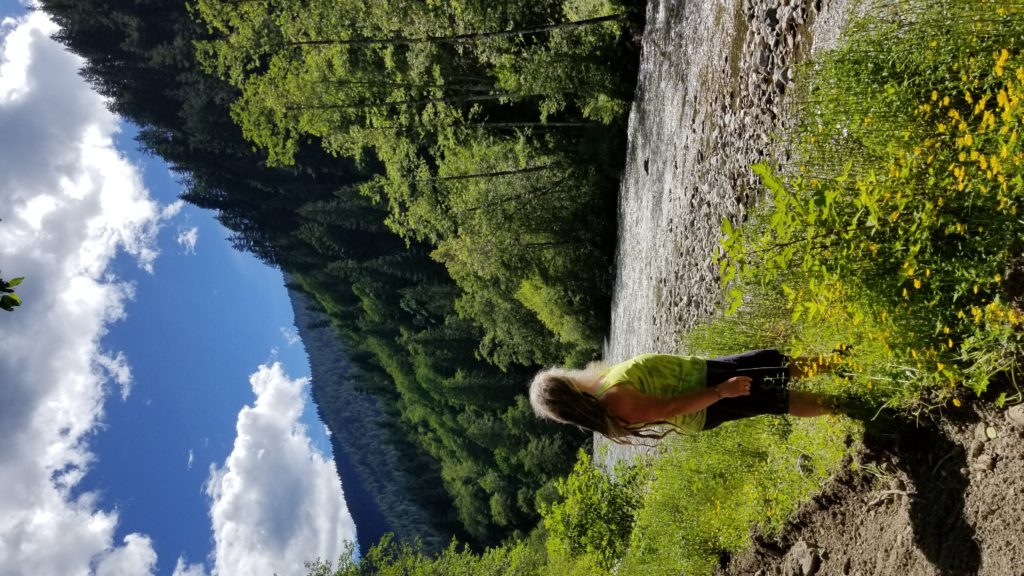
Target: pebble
(984,462)
(804,559)
(976,448)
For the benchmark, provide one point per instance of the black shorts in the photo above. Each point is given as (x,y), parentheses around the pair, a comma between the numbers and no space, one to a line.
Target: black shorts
(769,389)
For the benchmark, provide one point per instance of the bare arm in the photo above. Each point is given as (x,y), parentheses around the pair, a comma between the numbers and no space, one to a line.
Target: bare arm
(634,406)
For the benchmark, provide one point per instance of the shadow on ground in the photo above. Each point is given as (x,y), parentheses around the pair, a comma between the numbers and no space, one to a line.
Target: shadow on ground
(934,465)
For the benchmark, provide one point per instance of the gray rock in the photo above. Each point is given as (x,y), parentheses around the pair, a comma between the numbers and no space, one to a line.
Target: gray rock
(802,559)
(984,462)
(1015,415)
(976,448)
(979,432)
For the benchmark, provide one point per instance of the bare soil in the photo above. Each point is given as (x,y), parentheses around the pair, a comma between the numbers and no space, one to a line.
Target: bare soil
(939,496)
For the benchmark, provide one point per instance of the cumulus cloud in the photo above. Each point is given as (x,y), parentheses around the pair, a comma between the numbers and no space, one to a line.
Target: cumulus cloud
(183,568)
(277,501)
(70,204)
(136,557)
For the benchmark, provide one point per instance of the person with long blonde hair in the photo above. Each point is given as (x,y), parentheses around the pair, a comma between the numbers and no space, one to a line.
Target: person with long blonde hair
(684,394)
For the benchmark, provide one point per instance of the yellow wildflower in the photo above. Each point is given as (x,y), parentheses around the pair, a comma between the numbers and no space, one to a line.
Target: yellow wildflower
(981,104)
(917,282)
(956,402)
(1000,58)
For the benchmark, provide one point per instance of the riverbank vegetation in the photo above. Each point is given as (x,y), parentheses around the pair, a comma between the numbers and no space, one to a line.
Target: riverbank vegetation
(890,246)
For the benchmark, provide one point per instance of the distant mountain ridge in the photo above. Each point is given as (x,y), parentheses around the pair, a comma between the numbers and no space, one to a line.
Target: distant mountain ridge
(369,464)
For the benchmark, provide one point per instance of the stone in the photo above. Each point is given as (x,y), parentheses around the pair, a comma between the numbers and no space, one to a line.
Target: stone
(1015,415)
(991,432)
(803,559)
(984,462)
(976,448)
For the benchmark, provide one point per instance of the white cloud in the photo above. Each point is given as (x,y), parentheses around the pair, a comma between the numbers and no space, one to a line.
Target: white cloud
(191,459)
(182,568)
(172,209)
(70,204)
(290,335)
(117,368)
(135,558)
(277,501)
(187,238)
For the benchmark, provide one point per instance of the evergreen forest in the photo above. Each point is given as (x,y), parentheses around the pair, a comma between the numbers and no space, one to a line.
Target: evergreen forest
(438,181)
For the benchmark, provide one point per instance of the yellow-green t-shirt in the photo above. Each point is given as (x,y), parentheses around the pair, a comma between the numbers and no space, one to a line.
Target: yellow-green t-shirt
(664,376)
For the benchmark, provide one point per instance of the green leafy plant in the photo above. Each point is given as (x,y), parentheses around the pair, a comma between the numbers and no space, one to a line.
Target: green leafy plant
(591,525)
(899,218)
(8,298)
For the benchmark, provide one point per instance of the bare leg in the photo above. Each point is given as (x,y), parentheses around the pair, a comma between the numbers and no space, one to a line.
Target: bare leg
(809,405)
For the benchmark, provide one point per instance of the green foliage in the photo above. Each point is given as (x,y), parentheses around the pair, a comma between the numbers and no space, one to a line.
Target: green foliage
(591,525)
(9,298)
(899,222)
(389,558)
(482,120)
(541,299)
(709,490)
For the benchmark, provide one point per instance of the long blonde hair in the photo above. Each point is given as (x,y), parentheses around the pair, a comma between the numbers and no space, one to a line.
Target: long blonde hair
(560,395)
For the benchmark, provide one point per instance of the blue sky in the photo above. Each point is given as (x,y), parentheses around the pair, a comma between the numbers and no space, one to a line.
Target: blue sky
(152,385)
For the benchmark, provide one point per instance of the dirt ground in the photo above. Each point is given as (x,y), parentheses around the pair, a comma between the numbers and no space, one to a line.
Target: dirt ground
(942,496)
(936,496)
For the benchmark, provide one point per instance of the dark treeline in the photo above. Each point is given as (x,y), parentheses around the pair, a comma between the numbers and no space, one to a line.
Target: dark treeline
(439,178)
(376,461)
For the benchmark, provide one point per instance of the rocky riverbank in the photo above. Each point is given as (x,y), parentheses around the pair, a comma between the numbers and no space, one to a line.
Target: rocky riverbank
(712,96)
